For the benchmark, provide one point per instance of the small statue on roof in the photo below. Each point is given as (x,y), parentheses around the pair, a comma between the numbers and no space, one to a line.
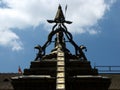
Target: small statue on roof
(39,54)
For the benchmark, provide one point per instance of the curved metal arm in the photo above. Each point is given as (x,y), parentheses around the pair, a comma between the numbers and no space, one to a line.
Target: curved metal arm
(48,42)
(70,38)
(54,27)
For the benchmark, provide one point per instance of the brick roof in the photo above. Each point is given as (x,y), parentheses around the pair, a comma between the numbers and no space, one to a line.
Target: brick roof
(5,80)
(115,77)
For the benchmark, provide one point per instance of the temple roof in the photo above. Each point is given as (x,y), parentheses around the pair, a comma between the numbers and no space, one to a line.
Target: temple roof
(6,85)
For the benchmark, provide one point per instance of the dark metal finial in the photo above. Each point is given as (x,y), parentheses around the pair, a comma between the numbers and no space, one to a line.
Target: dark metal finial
(59,15)
(59,18)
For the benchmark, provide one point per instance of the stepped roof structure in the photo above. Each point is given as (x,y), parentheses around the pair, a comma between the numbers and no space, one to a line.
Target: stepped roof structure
(5,80)
(60,69)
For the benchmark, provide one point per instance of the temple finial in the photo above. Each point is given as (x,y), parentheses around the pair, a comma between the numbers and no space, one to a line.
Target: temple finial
(59,18)
(59,15)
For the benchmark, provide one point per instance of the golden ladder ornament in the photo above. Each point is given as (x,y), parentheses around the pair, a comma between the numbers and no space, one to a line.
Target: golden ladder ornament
(60,78)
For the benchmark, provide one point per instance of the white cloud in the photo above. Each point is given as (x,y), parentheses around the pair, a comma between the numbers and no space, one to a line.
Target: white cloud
(10,39)
(25,13)
(87,13)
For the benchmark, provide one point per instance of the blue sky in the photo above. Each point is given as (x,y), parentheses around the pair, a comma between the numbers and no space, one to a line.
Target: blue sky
(23,25)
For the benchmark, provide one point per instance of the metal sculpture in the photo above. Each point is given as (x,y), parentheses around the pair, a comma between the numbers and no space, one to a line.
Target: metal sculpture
(59,29)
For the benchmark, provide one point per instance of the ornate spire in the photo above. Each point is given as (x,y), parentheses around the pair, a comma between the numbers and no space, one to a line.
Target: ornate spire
(59,18)
(62,36)
(59,15)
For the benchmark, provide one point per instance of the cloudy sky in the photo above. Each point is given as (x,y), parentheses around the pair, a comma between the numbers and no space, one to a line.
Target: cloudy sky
(23,25)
